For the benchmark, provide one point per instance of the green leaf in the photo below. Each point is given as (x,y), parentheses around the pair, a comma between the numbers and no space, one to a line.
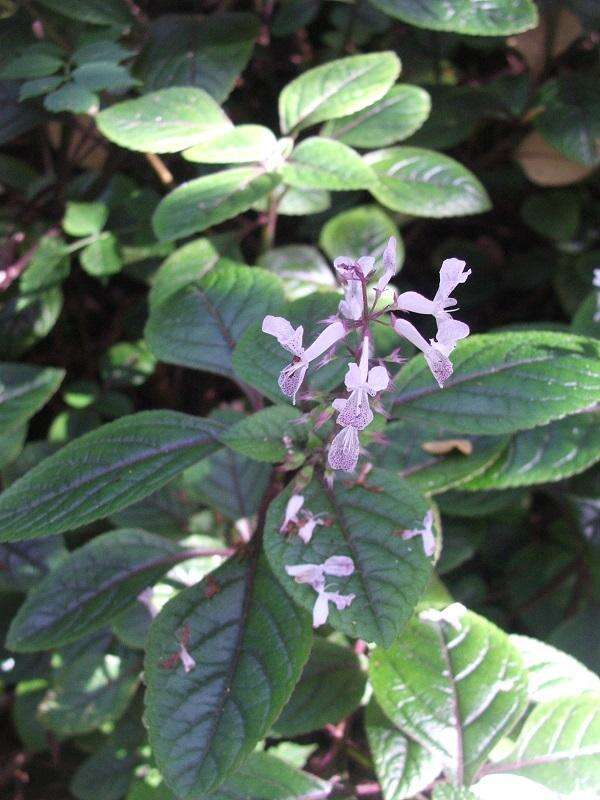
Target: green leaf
(424,183)
(185,265)
(586,320)
(319,163)
(164,121)
(38,86)
(455,112)
(27,698)
(394,117)
(71,97)
(555,214)
(92,687)
(98,76)
(229,482)
(33,63)
(84,219)
(24,564)
(250,643)
(297,202)
(88,588)
(260,436)
(203,202)
(11,444)
(48,267)
(200,325)
(360,231)
(336,89)
(570,116)
(100,50)
(237,146)
(265,777)
(208,51)
(408,453)
(24,389)
(96,12)
(544,454)
(552,674)
(258,359)
(103,471)
(15,117)
(559,746)
(391,573)
(505,382)
(301,268)
(456,687)
(102,257)
(403,767)
(493,18)
(330,688)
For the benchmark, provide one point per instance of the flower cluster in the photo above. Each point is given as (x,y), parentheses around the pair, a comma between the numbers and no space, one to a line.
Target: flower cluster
(363,304)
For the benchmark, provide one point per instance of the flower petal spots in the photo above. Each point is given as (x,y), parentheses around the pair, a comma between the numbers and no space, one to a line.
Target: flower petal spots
(356,412)
(344,450)
(290,379)
(288,337)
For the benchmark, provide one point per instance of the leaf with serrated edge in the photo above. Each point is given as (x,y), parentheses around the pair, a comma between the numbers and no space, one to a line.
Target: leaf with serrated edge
(249,642)
(559,746)
(261,435)
(504,382)
(336,89)
(402,766)
(552,674)
(545,454)
(89,587)
(200,325)
(391,573)
(103,471)
(455,691)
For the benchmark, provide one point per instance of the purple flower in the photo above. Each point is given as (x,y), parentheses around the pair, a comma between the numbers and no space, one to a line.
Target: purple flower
(291,376)
(305,520)
(361,382)
(350,270)
(314,576)
(437,360)
(344,450)
(351,306)
(390,265)
(426,532)
(452,273)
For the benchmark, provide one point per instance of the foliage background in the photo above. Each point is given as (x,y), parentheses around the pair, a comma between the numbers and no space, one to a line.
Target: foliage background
(519,109)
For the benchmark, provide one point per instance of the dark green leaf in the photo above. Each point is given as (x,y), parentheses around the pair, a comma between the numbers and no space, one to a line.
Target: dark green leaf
(102,257)
(261,435)
(505,382)
(92,686)
(89,587)
(72,97)
(24,389)
(103,471)
(208,51)
(24,564)
(249,643)
(330,688)
(570,118)
(366,524)
(302,269)
(200,325)
(96,12)
(98,76)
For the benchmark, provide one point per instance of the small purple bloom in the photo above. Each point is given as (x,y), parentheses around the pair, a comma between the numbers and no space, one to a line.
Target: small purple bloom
(390,264)
(291,376)
(361,382)
(314,576)
(344,450)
